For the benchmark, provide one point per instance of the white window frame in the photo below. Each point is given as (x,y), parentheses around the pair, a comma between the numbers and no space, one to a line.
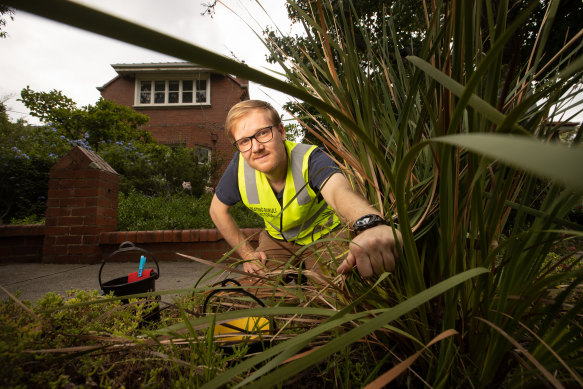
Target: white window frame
(156,80)
(201,148)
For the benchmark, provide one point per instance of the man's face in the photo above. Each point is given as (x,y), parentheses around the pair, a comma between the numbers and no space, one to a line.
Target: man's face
(270,157)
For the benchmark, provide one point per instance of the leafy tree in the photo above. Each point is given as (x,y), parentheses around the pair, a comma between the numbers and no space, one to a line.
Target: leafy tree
(50,107)
(5,11)
(99,124)
(409,19)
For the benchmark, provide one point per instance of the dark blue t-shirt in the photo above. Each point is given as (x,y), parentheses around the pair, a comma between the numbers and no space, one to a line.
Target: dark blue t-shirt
(320,167)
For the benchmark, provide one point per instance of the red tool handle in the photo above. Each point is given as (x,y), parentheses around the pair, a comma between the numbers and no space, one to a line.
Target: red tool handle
(133,277)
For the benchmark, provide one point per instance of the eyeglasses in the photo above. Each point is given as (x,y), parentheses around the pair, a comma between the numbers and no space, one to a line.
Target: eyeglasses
(263,135)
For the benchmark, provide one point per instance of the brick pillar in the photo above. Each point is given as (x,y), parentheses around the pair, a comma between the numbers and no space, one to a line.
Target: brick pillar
(81,204)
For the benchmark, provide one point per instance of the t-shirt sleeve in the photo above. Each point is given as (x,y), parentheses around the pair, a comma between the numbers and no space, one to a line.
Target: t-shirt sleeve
(227,190)
(320,167)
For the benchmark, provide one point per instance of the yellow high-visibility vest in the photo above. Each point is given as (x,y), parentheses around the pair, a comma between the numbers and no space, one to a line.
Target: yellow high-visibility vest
(304,218)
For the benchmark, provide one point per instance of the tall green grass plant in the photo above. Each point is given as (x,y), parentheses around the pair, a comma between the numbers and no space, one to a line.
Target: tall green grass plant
(449,154)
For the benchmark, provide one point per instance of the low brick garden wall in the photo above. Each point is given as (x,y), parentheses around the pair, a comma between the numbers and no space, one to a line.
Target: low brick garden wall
(21,243)
(24,243)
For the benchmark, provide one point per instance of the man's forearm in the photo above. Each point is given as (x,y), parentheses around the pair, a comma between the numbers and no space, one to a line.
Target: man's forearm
(235,238)
(229,229)
(348,204)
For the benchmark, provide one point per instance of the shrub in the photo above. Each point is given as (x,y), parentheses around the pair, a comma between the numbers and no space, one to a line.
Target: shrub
(157,170)
(26,155)
(138,212)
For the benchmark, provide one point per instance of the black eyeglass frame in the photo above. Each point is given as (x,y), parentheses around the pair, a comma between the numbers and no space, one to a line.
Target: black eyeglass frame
(235,143)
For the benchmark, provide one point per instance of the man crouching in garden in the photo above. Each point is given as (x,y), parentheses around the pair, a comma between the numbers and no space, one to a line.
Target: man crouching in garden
(270,173)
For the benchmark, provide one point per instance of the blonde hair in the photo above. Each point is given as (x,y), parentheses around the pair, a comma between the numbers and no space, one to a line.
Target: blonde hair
(242,108)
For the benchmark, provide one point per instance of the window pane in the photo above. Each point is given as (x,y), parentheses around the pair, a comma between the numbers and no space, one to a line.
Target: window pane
(202,154)
(146,86)
(173,94)
(159,92)
(187,85)
(145,92)
(186,97)
(172,97)
(201,91)
(173,85)
(201,97)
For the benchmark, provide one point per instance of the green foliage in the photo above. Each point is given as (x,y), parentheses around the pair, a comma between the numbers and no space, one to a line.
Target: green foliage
(158,170)
(467,305)
(96,125)
(48,346)
(452,205)
(112,130)
(5,11)
(50,107)
(26,155)
(138,212)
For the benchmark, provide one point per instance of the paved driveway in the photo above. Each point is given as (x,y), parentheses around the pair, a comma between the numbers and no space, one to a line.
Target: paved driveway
(33,280)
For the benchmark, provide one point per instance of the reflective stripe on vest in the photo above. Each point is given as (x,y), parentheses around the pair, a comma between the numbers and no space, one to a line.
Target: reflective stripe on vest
(296,161)
(302,219)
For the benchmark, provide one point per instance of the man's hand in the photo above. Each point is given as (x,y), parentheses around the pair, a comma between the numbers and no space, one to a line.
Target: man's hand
(255,263)
(373,251)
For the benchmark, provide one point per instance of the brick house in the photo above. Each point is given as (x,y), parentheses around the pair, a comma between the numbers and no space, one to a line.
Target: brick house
(187,104)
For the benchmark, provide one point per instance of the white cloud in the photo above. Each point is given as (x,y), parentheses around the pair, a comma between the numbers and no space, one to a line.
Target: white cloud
(47,55)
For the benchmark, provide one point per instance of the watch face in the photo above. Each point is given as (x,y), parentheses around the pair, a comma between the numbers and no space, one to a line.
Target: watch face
(368,221)
(364,221)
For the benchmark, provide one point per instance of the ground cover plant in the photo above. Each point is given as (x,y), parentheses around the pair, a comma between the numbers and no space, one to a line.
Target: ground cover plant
(84,340)
(457,146)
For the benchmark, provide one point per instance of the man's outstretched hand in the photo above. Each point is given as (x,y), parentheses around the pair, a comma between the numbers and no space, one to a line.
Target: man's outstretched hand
(373,251)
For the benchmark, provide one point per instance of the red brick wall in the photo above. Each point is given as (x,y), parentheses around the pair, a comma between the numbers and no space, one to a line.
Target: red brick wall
(199,125)
(166,244)
(25,244)
(81,204)
(21,243)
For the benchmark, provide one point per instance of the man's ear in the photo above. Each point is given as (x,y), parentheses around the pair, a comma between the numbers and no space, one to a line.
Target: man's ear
(281,130)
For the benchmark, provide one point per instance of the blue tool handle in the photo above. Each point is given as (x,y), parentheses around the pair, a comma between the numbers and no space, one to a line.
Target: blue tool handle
(142,265)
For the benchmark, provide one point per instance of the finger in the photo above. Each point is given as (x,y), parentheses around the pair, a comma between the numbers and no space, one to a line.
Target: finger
(248,267)
(252,267)
(363,263)
(389,261)
(347,265)
(262,257)
(377,263)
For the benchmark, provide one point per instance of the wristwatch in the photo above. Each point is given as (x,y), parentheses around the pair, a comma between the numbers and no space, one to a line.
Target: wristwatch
(368,221)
